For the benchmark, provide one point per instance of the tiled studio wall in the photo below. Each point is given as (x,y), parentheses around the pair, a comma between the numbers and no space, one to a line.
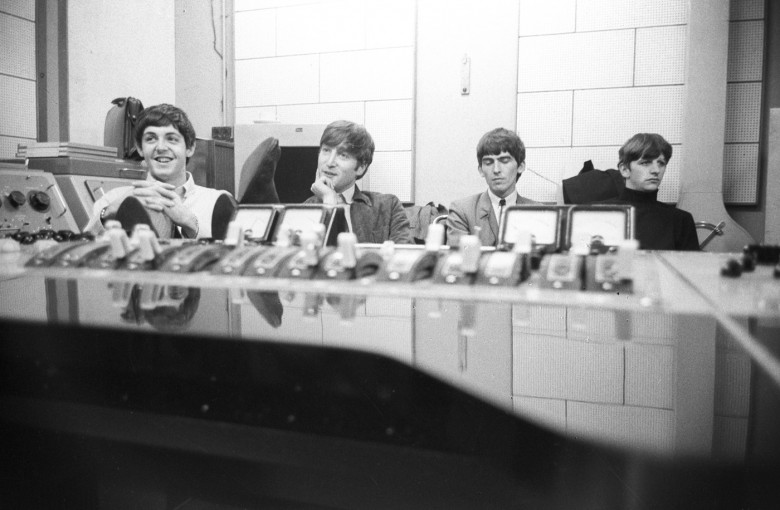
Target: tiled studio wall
(590,75)
(313,62)
(17,75)
(743,103)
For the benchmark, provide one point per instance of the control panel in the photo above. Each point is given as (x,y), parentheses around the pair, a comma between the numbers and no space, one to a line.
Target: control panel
(581,249)
(32,201)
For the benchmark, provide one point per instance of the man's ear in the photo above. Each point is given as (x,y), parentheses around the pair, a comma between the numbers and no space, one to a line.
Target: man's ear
(359,174)
(625,172)
(481,172)
(520,170)
(190,150)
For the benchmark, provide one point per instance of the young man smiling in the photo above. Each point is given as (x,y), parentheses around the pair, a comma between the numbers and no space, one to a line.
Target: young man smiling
(501,161)
(166,139)
(346,152)
(658,226)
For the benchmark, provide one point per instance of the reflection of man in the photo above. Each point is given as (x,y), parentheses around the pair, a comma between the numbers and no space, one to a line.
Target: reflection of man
(346,151)
(166,139)
(659,226)
(175,311)
(501,161)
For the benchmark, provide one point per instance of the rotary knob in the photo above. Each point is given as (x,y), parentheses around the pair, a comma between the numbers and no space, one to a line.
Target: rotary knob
(39,200)
(17,198)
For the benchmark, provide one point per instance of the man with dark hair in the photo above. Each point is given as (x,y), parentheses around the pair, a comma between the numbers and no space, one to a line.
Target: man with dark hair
(500,161)
(658,226)
(165,138)
(346,152)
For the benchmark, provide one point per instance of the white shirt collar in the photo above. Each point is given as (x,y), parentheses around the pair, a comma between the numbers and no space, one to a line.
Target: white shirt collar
(348,194)
(511,199)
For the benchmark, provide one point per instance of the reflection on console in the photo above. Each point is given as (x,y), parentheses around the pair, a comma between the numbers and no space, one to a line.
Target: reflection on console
(167,308)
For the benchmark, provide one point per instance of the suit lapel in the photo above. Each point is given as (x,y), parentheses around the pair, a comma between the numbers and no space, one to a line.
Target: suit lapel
(356,214)
(486,220)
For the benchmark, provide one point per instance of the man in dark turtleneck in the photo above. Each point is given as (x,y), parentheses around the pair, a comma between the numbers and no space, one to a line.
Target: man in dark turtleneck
(659,226)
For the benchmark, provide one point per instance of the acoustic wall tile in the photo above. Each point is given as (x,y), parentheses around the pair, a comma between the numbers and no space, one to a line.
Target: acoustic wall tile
(390,23)
(746,51)
(248,5)
(725,341)
(743,112)
(550,17)
(650,376)
(483,362)
(732,384)
(615,14)
(576,61)
(602,157)
(390,124)
(545,411)
(740,173)
(9,145)
(550,367)
(251,114)
(539,188)
(544,169)
(544,118)
(391,172)
(367,75)
(611,116)
(321,113)
(588,324)
(644,327)
(648,429)
(389,307)
(321,27)
(17,38)
(29,303)
(390,336)
(255,34)
(280,80)
(539,319)
(729,439)
(22,8)
(660,55)
(17,104)
(746,9)
(295,327)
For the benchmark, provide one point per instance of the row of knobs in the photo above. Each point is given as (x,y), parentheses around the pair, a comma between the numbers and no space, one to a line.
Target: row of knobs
(39,200)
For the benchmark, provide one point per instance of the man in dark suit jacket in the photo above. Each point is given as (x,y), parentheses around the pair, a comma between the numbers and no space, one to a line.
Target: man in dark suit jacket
(501,161)
(346,151)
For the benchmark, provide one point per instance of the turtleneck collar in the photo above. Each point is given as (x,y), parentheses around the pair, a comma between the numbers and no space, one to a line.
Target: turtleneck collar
(632,195)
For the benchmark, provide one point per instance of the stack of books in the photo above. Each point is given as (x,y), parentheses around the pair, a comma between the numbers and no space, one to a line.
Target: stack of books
(65,149)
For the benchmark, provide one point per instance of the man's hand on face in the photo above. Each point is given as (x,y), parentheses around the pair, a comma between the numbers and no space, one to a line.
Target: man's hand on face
(323,189)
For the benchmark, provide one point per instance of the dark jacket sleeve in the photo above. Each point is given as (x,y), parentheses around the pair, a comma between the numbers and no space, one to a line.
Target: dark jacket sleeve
(400,232)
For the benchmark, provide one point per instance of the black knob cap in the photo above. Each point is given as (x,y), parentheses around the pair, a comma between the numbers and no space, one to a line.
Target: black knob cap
(63,235)
(732,268)
(45,234)
(27,238)
(84,236)
(17,198)
(749,262)
(39,200)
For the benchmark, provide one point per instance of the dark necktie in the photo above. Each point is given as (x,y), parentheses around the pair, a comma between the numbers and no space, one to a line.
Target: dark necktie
(501,204)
